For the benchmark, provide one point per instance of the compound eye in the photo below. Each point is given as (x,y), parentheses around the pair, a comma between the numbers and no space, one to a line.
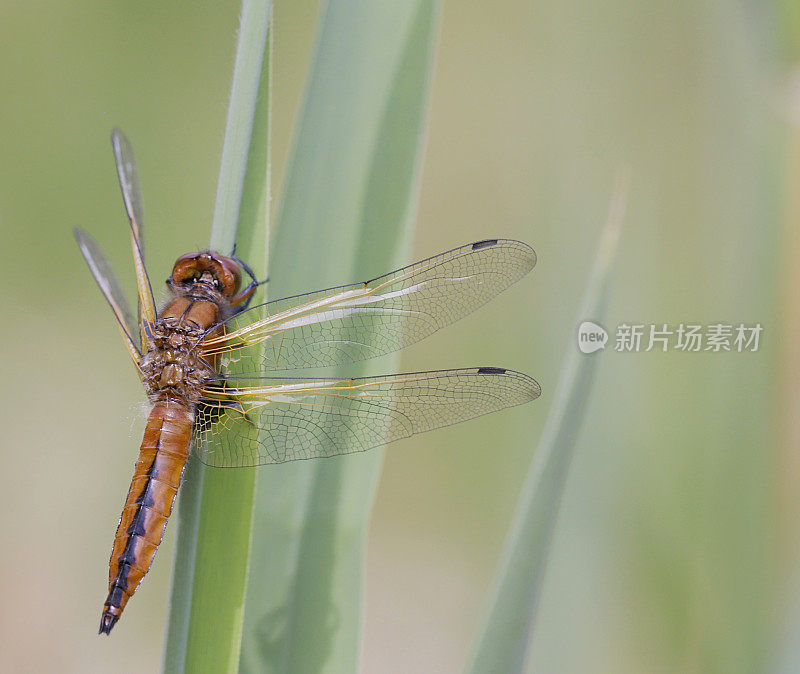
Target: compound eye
(190,279)
(227,275)
(185,272)
(224,272)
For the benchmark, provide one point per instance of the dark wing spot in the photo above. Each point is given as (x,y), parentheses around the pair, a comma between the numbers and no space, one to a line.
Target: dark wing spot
(486,243)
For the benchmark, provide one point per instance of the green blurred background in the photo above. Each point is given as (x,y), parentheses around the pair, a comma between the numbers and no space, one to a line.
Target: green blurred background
(677,543)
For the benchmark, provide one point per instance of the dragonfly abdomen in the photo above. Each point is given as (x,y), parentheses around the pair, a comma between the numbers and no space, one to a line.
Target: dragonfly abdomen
(155,483)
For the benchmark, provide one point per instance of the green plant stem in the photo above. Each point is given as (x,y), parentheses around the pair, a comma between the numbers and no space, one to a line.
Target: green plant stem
(216,506)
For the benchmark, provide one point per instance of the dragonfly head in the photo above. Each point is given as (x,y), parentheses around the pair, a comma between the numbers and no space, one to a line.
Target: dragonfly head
(209,269)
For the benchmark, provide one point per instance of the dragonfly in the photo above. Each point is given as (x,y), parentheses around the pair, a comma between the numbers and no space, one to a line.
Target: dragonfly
(208,363)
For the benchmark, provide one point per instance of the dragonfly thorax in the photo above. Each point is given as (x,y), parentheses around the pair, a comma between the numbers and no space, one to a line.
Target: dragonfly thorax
(175,364)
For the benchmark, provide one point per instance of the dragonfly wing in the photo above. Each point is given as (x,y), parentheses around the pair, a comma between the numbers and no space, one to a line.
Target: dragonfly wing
(364,320)
(128,174)
(132,197)
(112,291)
(254,421)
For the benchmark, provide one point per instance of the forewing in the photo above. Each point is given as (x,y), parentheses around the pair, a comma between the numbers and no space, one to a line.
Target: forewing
(249,422)
(132,197)
(112,291)
(128,174)
(364,320)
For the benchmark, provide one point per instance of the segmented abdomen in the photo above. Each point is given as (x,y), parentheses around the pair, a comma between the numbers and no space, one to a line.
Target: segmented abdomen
(155,483)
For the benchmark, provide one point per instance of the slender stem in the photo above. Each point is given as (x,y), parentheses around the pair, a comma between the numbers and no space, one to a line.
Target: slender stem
(504,643)
(216,506)
(249,95)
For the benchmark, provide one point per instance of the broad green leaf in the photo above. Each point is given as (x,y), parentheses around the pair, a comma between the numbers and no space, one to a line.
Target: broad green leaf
(346,213)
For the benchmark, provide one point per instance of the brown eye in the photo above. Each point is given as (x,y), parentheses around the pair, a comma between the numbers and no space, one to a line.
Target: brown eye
(226,274)
(188,270)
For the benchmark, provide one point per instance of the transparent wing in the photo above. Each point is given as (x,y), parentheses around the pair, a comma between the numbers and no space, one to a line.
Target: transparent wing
(249,422)
(112,291)
(129,183)
(364,320)
(132,196)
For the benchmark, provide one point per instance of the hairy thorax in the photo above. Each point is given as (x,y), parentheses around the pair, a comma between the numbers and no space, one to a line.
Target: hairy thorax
(175,366)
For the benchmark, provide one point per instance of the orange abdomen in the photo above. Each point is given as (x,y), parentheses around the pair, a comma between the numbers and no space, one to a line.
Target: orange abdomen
(155,483)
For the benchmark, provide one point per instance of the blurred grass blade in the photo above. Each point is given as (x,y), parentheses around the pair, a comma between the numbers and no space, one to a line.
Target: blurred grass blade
(503,646)
(346,212)
(216,506)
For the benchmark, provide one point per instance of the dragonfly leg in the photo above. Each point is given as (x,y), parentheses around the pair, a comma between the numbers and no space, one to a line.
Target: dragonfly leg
(243,298)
